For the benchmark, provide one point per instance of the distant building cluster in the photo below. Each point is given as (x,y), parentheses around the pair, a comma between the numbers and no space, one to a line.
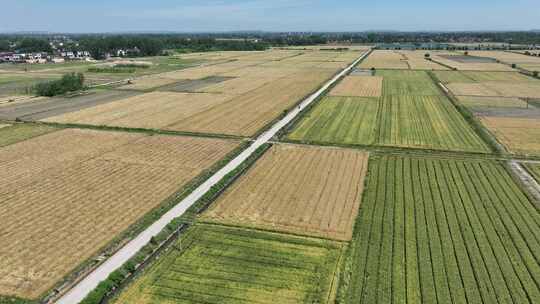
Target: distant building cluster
(35,58)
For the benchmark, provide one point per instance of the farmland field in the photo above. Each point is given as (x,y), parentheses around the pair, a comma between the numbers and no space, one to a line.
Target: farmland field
(359,86)
(416,83)
(442,231)
(411,113)
(347,120)
(65,196)
(213,264)
(301,189)
(385,59)
(10,134)
(518,135)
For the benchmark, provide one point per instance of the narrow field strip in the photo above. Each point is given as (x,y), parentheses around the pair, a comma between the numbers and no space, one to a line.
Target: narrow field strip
(442,231)
(215,264)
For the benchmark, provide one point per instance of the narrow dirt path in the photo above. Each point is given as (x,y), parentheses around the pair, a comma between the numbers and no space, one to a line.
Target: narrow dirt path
(86,285)
(528,181)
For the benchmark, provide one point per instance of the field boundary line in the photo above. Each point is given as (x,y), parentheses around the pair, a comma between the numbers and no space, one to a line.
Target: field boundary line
(528,182)
(91,281)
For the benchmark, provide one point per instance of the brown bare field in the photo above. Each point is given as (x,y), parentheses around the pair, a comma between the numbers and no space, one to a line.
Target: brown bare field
(359,86)
(385,59)
(69,193)
(518,135)
(472,89)
(245,114)
(499,102)
(151,110)
(301,189)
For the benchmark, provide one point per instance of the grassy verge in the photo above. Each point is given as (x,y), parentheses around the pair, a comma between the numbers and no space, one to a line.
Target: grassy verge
(136,265)
(19,132)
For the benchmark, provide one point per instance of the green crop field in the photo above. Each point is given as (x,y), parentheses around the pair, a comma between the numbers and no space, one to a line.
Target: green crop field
(215,264)
(452,76)
(534,169)
(20,132)
(417,83)
(479,76)
(442,231)
(429,122)
(348,120)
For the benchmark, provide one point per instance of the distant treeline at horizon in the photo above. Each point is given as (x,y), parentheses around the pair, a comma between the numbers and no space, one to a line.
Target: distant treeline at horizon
(155,44)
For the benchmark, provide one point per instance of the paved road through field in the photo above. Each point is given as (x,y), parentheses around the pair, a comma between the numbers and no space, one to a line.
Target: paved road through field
(81,289)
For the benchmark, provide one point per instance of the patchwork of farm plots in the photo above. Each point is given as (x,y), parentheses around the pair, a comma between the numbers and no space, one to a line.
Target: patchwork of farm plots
(463,62)
(300,189)
(443,231)
(232,98)
(401,60)
(213,264)
(68,193)
(530,63)
(504,102)
(412,112)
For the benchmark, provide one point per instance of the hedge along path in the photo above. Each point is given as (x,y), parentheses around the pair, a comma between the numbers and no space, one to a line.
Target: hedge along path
(216,264)
(66,197)
(464,230)
(301,189)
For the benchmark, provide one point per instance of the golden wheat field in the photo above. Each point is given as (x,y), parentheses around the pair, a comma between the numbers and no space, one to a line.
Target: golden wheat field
(245,114)
(300,189)
(64,196)
(154,110)
(418,61)
(385,59)
(359,86)
(520,89)
(518,135)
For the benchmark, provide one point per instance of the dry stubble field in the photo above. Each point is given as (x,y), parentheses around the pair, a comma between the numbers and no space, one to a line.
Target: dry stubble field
(518,135)
(64,197)
(300,189)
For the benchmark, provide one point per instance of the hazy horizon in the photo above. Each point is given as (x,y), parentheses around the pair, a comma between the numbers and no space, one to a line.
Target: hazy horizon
(271,16)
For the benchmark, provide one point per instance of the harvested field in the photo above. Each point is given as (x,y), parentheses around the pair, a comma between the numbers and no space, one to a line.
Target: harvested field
(496,102)
(156,110)
(218,265)
(385,59)
(443,231)
(244,115)
(470,63)
(417,60)
(518,135)
(429,122)
(359,86)
(529,89)
(10,134)
(473,89)
(346,120)
(301,189)
(197,85)
(407,83)
(66,196)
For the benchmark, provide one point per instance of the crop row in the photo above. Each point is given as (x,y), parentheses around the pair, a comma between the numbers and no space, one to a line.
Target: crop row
(443,231)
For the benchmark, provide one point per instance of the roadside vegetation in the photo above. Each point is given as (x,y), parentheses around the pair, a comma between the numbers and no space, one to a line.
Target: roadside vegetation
(71,82)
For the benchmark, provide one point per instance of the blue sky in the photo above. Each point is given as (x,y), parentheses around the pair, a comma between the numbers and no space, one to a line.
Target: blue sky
(267,15)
